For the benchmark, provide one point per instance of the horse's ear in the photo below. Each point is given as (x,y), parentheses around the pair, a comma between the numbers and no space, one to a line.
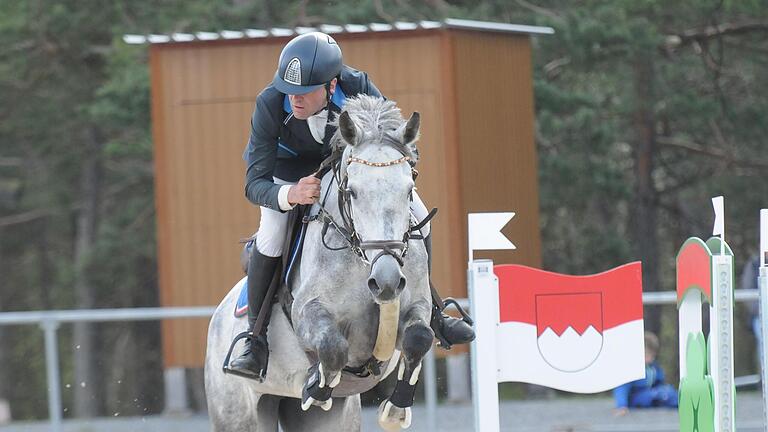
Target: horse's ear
(409,133)
(411,129)
(349,130)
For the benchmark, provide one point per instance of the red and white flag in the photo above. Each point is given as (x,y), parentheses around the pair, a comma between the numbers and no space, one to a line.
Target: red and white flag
(580,334)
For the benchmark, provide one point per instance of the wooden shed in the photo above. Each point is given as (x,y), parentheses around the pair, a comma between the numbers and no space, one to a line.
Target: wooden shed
(471,81)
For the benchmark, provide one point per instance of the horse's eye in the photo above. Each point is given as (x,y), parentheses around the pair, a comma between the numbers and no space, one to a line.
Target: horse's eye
(350,193)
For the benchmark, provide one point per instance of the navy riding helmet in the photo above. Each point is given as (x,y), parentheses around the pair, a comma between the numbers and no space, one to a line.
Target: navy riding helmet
(306,63)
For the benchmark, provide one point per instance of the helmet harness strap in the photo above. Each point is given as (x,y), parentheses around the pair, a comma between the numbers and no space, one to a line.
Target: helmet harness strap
(328,96)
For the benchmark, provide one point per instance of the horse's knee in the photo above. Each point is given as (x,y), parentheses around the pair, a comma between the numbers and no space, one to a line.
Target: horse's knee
(333,350)
(417,340)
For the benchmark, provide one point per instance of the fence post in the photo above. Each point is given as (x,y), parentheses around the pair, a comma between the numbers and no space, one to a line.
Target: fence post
(176,401)
(484,302)
(763,299)
(49,327)
(721,339)
(430,389)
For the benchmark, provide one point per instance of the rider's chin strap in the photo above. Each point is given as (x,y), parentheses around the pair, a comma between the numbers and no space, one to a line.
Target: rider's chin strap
(328,94)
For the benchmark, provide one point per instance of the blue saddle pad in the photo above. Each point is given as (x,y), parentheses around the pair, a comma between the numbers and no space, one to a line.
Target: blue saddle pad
(241,308)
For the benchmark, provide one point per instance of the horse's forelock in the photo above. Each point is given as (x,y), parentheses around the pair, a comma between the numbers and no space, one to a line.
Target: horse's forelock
(374,116)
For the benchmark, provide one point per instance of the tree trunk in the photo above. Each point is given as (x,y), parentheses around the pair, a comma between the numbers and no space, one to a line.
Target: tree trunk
(86,390)
(45,266)
(646,196)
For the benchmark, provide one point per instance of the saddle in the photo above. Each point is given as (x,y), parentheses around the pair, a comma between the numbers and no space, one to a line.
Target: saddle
(293,243)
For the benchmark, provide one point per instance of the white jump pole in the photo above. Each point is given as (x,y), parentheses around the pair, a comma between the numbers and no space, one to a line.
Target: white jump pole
(484,233)
(484,295)
(721,340)
(721,328)
(762,281)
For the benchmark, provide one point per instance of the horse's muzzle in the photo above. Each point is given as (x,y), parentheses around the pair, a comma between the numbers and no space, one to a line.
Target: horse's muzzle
(386,280)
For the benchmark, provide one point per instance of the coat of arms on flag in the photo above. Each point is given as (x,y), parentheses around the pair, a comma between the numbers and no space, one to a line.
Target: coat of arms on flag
(574,333)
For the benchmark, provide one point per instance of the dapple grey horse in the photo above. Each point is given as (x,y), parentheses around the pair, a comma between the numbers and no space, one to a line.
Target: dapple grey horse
(339,295)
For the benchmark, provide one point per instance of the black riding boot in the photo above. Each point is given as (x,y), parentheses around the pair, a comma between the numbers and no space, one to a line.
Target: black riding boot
(448,330)
(255,358)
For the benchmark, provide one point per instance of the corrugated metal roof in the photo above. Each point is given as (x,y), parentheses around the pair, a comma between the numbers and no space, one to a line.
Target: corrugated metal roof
(336,29)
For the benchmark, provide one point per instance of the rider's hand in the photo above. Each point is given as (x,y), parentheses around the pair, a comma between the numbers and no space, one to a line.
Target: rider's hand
(306,191)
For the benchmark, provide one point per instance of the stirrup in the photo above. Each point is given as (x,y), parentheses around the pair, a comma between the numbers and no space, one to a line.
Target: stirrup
(437,323)
(225,367)
(464,315)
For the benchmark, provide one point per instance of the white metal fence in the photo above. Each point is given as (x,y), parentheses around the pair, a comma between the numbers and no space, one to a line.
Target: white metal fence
(49,321)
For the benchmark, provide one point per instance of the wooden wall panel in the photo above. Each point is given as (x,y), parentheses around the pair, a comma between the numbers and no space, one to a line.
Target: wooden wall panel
(203,95)
(499,168)
(200,173)
(408,71)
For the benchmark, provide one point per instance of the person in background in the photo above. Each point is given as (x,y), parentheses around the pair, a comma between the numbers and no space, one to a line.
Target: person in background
(649,392)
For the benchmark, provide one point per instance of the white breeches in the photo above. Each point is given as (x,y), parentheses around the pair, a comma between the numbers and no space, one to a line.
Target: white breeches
(273,226)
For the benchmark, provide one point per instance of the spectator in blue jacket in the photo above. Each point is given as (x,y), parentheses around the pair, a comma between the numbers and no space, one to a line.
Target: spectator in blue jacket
(649,392)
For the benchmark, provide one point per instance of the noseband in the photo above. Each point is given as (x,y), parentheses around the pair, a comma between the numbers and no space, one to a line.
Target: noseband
(397,249)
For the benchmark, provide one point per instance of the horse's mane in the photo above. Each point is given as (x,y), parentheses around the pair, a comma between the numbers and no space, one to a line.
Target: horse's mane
(377,117)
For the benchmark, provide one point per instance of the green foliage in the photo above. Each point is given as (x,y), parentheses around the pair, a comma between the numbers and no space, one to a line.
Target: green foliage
(72,91)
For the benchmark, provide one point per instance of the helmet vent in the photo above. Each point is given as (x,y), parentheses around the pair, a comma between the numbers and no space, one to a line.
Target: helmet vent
(293,72)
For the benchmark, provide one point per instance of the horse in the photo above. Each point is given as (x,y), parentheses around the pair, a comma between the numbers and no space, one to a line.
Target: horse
(361,298)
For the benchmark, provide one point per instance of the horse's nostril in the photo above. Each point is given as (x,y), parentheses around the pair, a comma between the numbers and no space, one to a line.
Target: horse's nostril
(372,285)
(401,285)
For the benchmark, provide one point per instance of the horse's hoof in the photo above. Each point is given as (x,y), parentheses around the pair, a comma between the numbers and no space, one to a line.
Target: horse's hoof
(392,418)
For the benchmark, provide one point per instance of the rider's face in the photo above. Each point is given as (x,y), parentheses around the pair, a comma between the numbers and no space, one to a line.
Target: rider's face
(309,103)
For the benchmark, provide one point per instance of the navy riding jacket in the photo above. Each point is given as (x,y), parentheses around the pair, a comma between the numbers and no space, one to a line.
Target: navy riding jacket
(282,146)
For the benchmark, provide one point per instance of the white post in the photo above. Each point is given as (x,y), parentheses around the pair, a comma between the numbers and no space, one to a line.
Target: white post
(763,288)
(721,342)
(763,237)
(484,302)
(5,412)
(176,401)
(456,368)
(52,373)
(430,389)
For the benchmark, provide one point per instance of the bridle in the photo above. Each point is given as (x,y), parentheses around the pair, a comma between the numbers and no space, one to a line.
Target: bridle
(396,248)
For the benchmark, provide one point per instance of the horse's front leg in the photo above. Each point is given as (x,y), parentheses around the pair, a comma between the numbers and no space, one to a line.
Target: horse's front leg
(416,341)
(319,333)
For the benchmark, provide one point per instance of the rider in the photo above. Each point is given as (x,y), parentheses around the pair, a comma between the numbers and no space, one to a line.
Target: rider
(290,137)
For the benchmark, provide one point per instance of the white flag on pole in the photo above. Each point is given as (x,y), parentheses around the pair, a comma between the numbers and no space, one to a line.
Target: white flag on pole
(485,231)
(764,237)
(719,228)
